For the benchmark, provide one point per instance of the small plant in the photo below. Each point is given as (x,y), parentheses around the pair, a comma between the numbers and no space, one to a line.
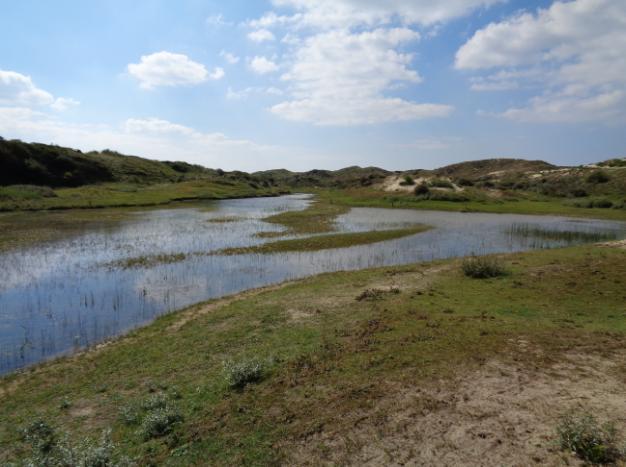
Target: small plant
(130,415)
(155,401)
(480,267)
(40,435)
(408,181)
(588,439)
(239,374)
(376,294)
(160,422)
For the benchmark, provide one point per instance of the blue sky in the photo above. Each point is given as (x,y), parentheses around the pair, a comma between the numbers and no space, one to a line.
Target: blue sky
(305,84)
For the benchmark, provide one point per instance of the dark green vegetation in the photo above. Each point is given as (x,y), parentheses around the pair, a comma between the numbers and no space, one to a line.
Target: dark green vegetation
(335,361)
(327,241)
(39,176)
(591,441)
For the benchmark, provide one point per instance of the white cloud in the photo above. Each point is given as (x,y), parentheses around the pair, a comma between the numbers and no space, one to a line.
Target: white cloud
(217,74)
(19,90)
(243,94)
(574,51)
(217,21)
(330,14)
(151,137)
(262,65)
(340,78)
(229,57)
(261,35)
(63,103)
(167,69)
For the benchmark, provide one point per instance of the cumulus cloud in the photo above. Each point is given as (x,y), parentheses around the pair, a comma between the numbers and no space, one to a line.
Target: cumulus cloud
(575,51)
(332,14)
(345,58)
(262,65)
(340,78)
(261,35)
(19,90)
(167,69)
(229,57)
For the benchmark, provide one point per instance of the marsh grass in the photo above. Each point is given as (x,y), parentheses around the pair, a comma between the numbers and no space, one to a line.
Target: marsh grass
(569,236)
(327,241)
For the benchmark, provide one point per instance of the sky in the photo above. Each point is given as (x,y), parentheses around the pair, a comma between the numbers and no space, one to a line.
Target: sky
(302,84)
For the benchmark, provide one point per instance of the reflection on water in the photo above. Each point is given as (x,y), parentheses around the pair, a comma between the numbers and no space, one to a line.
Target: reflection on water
(65,295)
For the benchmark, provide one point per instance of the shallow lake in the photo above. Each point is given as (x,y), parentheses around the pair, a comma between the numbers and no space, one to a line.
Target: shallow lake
(69,294)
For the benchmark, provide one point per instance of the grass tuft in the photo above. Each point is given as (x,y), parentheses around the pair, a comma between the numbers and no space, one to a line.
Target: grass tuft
(239,374)
(482,267)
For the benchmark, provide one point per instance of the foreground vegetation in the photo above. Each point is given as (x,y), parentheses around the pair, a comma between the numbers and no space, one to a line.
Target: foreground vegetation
(283,374)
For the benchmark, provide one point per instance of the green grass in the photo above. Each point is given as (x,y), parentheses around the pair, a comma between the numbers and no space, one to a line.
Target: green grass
(319,217)
(513,203)
(332,355)
(327,241)
(129,195)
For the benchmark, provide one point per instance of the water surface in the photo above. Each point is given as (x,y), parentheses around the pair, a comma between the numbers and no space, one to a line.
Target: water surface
(69,294)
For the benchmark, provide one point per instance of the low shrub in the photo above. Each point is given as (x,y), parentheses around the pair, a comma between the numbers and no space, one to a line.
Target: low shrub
(441,183)
(448,196)
(464,182)
(599,176)
(421,189)
(408,181)
(239,374)
(483,267)
(160,422)
(583,435)
(52,450)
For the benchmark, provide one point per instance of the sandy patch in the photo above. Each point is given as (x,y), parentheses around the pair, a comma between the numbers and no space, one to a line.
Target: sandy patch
(501,414)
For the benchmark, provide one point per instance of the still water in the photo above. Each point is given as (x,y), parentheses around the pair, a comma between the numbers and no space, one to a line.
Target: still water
(69,294)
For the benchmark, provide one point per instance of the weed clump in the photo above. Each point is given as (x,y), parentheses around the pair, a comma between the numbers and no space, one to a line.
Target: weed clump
(408,181)
(441,183)
(239,374)
(589,440)
(480,267)
(53,450)
(160,422)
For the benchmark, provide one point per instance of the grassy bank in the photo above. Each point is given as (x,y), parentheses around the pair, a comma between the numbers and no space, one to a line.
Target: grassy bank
(109,195)
(327,241)
(366,197)
(315,368)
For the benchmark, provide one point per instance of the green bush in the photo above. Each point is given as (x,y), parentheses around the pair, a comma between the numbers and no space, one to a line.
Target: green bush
(599,176)
(408,181)
(239,374)
(52,450)
(160,422)
(482,267)
(592,442)
(421,190)
(441,183)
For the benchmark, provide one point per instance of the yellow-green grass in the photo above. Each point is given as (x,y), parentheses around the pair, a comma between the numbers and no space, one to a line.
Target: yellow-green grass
(327,241)
(367,197)
(329,356)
